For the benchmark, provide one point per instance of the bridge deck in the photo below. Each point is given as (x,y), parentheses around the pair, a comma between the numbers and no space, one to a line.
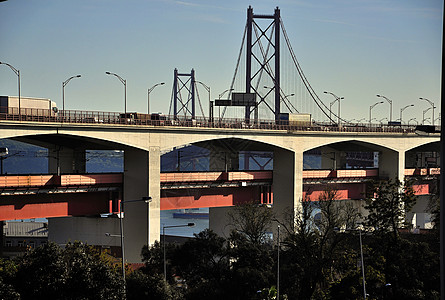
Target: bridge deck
(32,115)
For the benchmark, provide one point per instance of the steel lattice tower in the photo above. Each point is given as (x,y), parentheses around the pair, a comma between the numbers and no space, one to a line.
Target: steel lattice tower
(263,61)
(182,82)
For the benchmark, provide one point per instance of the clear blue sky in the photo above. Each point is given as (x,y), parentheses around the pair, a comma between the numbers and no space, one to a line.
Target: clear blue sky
(356,49)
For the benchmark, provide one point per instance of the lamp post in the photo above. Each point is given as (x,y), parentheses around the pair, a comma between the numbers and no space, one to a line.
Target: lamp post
(287,96)
(278,263)
(148,95)
(121,224)
(361,257)
(413,119)
(124,82)
(390,106)
(370,109)
(423,115)
(222,94)
(219,98)
(17,72)
(363,265)
(432,106)
(210,102)
(336,99)
(381,120)
(4,154)
(63,91)
(163,234)
(401,111)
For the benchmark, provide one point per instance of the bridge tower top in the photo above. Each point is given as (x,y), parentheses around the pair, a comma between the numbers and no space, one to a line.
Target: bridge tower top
(184,94)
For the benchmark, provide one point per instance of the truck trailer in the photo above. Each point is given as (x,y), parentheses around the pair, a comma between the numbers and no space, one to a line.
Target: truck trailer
(30,108)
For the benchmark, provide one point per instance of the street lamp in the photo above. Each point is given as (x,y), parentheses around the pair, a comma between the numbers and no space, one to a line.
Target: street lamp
(423,115)
(330,107)
(432,105)
(63,91)
(210,102)
(401,111)
(361,257)
(219,98)
(17,72)
(287,96)
(222,94)
(4,154)
(363,265)
(278,263)
(370,109)
(413,119)
(121,224)
(163,234)
(381,120)
(390,106)
(148,95)
(124,82)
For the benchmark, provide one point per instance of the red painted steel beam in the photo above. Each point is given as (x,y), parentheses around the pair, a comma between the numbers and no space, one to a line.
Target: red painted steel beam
(55,205)
(213,197)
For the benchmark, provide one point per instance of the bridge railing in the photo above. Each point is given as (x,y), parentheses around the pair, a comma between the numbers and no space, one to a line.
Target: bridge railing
(138,119)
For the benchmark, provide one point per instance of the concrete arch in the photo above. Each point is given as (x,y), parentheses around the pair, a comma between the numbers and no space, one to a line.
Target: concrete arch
(177,140)
(389,144)
(354,145)
(429,146)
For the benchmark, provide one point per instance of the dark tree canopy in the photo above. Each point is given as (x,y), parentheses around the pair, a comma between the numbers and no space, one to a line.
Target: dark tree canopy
(75,272)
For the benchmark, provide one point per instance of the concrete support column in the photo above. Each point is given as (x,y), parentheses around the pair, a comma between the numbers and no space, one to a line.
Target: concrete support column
(392,164)
(332,159)
(141,220)
(219,219)
(287,191)
(221,159)
(224,159)
(66,160)
(411,159)
(287,182)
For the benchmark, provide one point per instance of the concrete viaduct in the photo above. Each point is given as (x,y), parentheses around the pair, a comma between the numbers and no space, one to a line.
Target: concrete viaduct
(143,146)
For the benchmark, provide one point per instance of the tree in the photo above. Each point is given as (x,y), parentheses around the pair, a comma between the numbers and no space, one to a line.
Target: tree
(408,262)
(387,202)
(153,258)
(8,270)
(76,272)
(250,251)
(203,264)
(145,286)
(313,248)
(253,221)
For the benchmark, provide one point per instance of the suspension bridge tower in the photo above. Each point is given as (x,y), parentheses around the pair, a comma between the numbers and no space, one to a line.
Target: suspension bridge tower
(257,49)
(184,94)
